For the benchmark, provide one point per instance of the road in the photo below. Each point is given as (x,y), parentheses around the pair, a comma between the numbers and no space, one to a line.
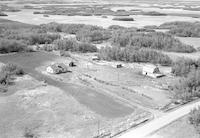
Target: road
(156,124)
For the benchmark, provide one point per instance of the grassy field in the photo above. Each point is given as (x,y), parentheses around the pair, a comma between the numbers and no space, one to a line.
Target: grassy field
(66,98)
(178,129)
(195,42)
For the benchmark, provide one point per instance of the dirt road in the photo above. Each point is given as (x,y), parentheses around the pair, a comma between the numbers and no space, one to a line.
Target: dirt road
(156,124)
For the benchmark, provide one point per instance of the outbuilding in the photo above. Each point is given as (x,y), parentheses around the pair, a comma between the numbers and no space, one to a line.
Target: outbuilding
(151,71)
(119,66)
(72,64)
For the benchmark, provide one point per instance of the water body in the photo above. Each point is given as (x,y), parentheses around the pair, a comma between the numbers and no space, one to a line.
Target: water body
(95,101)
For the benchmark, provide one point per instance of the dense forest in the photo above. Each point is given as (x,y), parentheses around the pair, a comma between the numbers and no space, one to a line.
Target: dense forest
(153,40)
(131,54)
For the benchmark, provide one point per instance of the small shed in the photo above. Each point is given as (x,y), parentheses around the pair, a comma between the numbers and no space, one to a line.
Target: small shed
(151,71)
(119,66)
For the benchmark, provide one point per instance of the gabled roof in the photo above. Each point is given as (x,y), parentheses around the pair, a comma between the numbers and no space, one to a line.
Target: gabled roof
(151,69)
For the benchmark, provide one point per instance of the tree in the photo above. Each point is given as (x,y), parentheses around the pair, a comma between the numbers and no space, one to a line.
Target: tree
(194,118)
(4,78)
(189,87)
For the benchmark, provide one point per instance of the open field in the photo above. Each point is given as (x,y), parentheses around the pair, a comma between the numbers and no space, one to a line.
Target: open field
(97,97)
(195,42)
(105,107)
(178,129)
(174,56)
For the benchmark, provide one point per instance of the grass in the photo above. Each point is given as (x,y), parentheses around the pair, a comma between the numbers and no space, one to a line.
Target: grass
(178,129)
(190,41)
(4,23)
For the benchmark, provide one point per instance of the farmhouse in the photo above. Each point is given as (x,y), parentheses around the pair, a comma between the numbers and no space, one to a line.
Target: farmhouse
(57,68)
(151,71)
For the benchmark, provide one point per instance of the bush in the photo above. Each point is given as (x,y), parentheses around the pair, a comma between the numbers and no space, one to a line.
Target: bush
(48,47)
(194,118)
(12,69)
(41,38)
(4,78)
(72,45)
(183,66)
(65,44)
(86,47)
(9,45)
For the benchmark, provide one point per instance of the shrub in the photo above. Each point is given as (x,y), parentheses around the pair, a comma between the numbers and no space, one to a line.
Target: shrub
(41,38)
(65,44)
(86,47)
(72,45)
(92,34)
(4,78)
(12,69)
(48,47)
(10,45)
(194,118)
(183,66)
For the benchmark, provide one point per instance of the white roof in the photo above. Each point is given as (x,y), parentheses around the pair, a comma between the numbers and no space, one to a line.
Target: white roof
(150,68)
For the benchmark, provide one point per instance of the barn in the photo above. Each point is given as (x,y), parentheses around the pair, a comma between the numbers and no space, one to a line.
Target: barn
(151,71)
